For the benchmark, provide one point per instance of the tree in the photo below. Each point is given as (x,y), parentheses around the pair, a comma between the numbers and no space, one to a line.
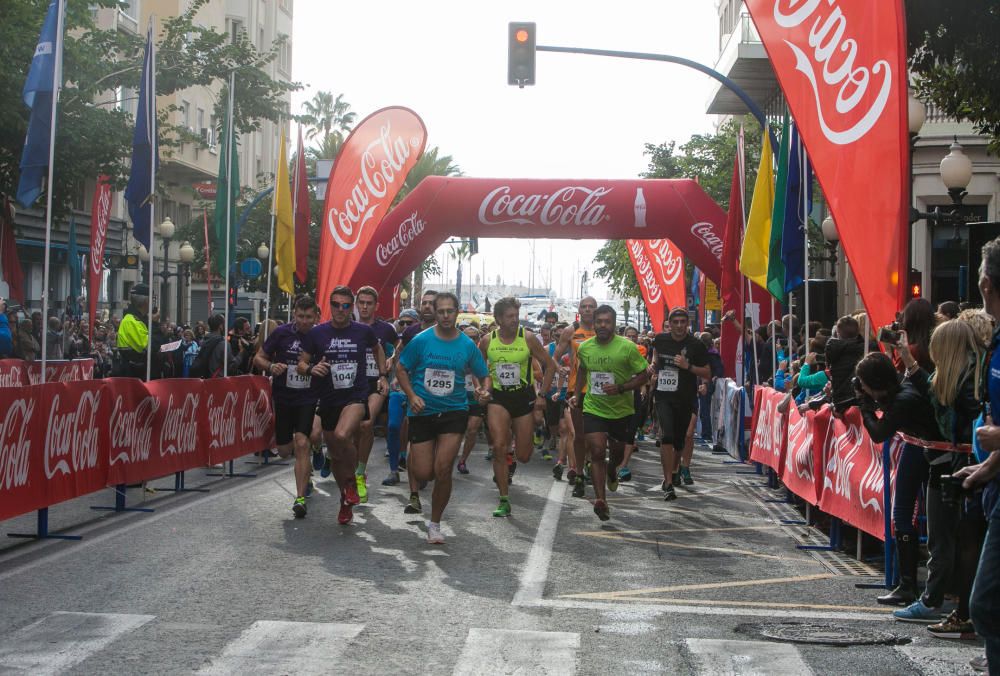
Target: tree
(94,133)
(329,116)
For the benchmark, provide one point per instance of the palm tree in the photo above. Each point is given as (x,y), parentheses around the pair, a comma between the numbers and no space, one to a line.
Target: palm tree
(328,115)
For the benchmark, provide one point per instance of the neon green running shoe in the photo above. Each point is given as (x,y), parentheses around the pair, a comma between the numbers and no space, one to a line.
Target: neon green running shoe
(503,509)
(299,508)
(362,482)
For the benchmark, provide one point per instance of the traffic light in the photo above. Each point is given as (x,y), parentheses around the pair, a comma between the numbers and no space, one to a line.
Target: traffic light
(916,283)
(473,246)
(232,296)
(520,53)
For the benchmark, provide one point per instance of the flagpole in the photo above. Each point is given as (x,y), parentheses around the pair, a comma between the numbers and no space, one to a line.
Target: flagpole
(274,206)
(151,112)
(229,213)
(56,87)
(295,222)
(804,168)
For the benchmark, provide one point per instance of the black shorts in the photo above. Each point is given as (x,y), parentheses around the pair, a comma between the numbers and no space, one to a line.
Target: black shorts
(554,411)
(429,427)
(616,428)
(476,410)
(330,415)
(291,419)
(674,418)
(518,402)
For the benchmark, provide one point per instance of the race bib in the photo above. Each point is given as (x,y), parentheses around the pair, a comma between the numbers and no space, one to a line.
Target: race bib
(343,374)
(439,382)
(295,381)
(509,374)
(598,379)
(668,379)
(372,366)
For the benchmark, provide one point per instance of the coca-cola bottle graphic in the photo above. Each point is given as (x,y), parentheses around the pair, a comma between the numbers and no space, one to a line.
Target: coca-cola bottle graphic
(640,209)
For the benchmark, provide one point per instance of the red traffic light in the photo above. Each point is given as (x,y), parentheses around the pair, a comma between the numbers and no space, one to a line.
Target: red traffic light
(521,35)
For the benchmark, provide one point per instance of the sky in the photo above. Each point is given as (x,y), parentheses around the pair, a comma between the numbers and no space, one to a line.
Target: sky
(587,117)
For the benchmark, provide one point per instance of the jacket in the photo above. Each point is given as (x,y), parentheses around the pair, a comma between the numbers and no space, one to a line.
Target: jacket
(6,345)
(842,355)
(909,411)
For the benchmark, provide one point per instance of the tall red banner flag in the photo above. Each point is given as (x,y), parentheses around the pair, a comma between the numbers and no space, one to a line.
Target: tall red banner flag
(842,67)
(732,280)
(367,176)
(659,267)
(100,216)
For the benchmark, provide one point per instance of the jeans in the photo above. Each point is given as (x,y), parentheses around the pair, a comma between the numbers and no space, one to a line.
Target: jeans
(942,544)
(397,400)
(985,603)
(911,475)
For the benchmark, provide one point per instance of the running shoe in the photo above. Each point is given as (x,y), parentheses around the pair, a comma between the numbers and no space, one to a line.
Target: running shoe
(511,468)
(489,454)
(557,472)
(676,479)
(546,455)
(299,508)
(413,507)
(537,438)
(325,470)
(362,481)
(669,494)
(317,458)
(402,461)
(918,612)
(346,514)
(979,664)
(579,488)
(503,509)
(953,627)
(391,480)
(309,487)
(350,495)
(434,534)
(462,469)
(571,476)
(601,510)
(624,474)
(612,479)
(686,476)
(586,470)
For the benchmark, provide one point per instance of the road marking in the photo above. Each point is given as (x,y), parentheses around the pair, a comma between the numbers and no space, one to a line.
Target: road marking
(738,658)
(60,641)
(684,607)
(723,550)
(505,651)
(759,604)
(276,647)
(682,530)
(692,587)
(941,660)
(536,568)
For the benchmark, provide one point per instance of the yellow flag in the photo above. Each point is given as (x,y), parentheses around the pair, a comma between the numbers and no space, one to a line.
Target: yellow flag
(284,223)
(756,241)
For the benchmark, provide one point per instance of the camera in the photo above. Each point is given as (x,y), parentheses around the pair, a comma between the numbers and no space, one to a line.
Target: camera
(889,334)
(952,492)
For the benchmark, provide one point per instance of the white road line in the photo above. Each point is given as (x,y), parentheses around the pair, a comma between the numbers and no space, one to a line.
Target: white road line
(504,651)
(276,647)
(536,569)
(746,658)
(60,641)
(679,608)
(941,660)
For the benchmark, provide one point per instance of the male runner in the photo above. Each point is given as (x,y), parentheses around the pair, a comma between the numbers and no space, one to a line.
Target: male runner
(679,359)
(334,353)
(512,402)
(613,368)
(476,410)
(427,319)
(570,342)
(624,473)
(367,304)
(294,395)
(431,371)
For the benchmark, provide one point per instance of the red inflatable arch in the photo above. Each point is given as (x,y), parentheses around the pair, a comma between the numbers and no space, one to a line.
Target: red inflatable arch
(443,207)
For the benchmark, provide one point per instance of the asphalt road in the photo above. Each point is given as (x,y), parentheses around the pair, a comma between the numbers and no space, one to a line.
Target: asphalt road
(228,582)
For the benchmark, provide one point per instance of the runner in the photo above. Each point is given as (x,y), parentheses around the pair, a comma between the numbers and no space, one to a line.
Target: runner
(613,368)
(367,304)
(555,406)
(679,359)
(508,351)
(427,319)
(294,396)
(476,410)
(569,342)
(431,372)
(641,401)
(334,352)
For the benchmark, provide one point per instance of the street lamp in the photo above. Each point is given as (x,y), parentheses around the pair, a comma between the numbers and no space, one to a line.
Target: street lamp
(956,172)
(263,251)
(830,233)
(403,295)
(916,114)
(142,253)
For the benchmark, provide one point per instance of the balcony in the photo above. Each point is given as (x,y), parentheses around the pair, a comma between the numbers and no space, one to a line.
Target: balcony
(743,60)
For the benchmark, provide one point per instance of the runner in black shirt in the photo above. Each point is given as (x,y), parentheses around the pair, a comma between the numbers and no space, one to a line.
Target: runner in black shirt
(679,359)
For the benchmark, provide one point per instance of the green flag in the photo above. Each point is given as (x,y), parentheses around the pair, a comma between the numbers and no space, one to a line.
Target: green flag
(226,193)
(775,268)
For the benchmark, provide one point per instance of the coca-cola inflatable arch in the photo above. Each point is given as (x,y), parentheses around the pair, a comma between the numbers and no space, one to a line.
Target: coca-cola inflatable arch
(442,207)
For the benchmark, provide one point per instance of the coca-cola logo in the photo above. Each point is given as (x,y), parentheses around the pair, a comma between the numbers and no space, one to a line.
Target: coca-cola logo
(645,272)
(569,205)
(15,444)
(256,416)
(11,376)
(222,421)
(71,437)
(843,447)
(706,233)
(799,456)
(180,427)
(671,266)
(380,166)
(100,216)
(408,230)
(68,372)
(132,429)
(846,84)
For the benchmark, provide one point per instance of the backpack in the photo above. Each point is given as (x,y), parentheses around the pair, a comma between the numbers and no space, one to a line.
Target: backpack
(199,367)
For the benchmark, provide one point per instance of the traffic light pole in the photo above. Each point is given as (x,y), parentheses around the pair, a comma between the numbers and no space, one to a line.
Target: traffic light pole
(644,56)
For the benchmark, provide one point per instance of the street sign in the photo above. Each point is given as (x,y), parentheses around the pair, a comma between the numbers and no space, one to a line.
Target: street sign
(206,191)
(251,268)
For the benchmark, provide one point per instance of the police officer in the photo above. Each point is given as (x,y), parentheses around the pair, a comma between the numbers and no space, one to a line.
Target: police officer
(133,335)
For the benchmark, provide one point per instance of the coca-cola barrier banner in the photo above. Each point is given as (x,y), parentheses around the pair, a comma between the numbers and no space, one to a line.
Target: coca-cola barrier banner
(768,429)
(842,67)
(659,267)
(803,459)
(18,373)
(441,207)
(59,441)
(366,177)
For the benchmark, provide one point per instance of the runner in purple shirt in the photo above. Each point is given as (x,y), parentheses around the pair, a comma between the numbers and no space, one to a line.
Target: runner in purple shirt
(334,354)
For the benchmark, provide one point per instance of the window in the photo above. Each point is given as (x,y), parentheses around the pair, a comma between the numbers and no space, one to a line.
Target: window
(285,56)
(185,112)
(200,125)
(260,39)
(233,28)
(285,6)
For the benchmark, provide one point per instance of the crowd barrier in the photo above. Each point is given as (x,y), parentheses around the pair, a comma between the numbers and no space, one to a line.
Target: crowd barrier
(18,373)
(62,440)
(828,461)
(727,417)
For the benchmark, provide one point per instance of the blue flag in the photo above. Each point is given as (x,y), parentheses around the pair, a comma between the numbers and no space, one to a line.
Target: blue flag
(75,266)
(38,96)
(798,203)
(145,150)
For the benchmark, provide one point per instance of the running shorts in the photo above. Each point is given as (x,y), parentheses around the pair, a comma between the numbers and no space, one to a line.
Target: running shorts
(674,418)
(291,419)
(517,402)
(616,428)
(330,415)
(428,427)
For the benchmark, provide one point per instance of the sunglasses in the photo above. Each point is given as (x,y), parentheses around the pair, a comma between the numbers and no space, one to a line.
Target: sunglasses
(406,323)
(341,306)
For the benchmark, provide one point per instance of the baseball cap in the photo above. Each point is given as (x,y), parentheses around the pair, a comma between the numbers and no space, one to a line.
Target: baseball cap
(678,311)
(409,313)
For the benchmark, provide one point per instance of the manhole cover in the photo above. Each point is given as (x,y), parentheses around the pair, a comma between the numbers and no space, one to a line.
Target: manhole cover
(822,634)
